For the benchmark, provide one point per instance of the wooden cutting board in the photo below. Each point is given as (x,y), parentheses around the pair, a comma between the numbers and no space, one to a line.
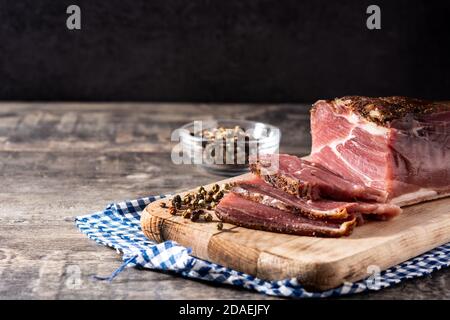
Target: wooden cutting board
(318,263)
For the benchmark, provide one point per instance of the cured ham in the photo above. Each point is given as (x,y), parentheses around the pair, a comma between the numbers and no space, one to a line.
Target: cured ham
(311,180)
(366,154)
(257,190)
(246,213)
(395,144)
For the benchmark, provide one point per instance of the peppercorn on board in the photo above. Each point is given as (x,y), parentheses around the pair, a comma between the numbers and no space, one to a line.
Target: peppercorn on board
(319,263)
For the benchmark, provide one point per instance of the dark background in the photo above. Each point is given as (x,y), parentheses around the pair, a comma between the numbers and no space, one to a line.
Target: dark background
(223,50)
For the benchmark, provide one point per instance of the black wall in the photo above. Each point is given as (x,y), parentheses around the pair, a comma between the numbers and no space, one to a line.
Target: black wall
(223,50)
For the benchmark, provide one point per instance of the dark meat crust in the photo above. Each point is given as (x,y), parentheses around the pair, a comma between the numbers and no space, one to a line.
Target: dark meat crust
(383,110)
(289,185)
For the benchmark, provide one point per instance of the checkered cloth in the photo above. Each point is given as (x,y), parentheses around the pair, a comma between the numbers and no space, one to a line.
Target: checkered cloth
(118,227)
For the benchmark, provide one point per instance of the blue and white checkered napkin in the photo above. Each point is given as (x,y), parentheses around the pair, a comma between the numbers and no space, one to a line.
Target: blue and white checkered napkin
(118,226)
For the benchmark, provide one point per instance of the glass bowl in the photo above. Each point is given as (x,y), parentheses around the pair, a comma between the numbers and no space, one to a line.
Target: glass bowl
(226,152)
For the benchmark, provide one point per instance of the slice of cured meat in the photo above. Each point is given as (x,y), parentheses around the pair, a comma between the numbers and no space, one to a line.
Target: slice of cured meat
(249,214)
(257,190)
(311,180)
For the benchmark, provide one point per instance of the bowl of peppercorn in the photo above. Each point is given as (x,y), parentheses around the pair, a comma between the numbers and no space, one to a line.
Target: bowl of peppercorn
(223,147)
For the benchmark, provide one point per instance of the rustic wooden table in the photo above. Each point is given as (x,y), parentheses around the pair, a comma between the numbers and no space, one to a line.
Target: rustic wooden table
(60,160)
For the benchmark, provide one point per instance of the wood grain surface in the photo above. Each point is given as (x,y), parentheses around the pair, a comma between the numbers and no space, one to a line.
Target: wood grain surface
(60,160)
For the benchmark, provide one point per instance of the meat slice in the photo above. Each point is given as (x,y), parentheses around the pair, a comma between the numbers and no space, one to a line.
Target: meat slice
(395,144)
(379,211)
(311,180)
(249,214)
(255,189)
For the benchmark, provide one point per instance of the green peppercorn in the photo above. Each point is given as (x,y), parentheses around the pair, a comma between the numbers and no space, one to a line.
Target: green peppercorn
(219,225)
(208,198)
(200,189)
(218,196)
(225,186)
(201,203)
(200,196)
(187,213)
(208,217)
(215,188)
